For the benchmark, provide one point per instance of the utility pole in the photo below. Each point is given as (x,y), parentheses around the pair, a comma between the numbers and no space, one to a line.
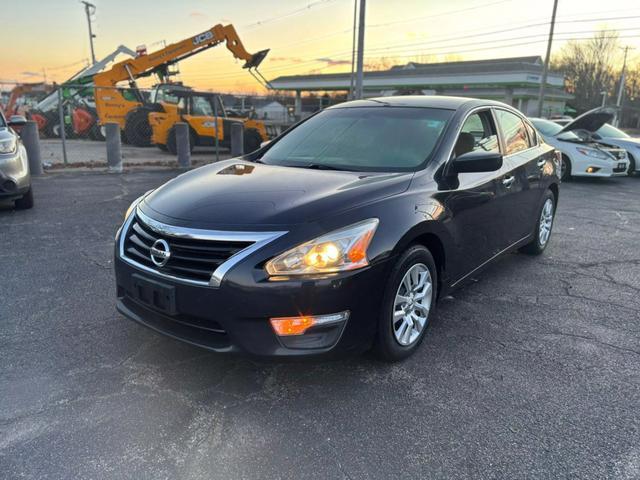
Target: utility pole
(353,50)
(621,89)
(545,68)
(360,73)
(90,9)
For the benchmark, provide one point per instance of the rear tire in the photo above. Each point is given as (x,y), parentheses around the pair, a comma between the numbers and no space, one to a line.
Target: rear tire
(252,140)
(565,169)
(172,145)
(26,201)
(137,127)
(544,226)
(390,344)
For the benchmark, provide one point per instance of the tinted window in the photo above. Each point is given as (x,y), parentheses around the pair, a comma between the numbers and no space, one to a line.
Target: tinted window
(2,124)
(533,136)
(480,127)
(514,131)
(362,139)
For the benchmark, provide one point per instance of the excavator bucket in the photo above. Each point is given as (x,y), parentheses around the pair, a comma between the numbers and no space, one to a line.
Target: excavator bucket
(256,59)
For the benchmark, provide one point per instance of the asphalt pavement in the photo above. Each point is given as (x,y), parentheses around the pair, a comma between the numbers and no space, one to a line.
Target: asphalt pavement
(531,371)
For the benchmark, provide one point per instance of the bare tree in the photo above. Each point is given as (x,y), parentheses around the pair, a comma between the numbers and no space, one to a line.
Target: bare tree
(589,67)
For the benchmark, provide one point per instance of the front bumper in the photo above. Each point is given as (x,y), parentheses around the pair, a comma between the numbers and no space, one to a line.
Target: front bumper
(234,318)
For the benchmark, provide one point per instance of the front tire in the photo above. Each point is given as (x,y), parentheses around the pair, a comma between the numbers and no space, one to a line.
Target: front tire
(137,128)
(565,169)
(252,140)
(544,226)
(408,305)
(172,141)
(26,201)
(632,166)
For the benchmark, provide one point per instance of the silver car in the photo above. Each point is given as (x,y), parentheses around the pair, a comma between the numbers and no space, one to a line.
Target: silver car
(15,179)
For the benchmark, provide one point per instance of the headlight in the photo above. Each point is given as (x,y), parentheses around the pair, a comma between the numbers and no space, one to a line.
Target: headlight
(340,250)
(8,145)
(591,152)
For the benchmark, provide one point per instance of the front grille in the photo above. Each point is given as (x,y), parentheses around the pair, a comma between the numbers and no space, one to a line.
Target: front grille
(190,259)
(617,153)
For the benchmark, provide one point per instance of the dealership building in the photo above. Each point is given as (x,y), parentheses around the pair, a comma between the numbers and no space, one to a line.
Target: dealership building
(515,81)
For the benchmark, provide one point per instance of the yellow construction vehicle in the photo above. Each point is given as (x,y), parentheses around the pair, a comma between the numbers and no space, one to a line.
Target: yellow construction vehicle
(207,118)
(132,113)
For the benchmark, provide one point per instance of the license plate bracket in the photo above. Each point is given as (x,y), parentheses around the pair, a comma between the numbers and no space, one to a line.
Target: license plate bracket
(154,294)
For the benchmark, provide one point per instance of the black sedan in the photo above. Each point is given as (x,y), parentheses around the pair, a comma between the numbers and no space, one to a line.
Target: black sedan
(341,234)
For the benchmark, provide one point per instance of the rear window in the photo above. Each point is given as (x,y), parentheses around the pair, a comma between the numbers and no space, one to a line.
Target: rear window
(362,139)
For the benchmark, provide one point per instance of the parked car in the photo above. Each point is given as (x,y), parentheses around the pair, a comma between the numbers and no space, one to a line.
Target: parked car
(340,234)
(15,178)
(612,137)
(581,154)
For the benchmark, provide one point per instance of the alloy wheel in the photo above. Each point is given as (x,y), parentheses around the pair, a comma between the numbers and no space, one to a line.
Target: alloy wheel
(546,222)
(412,304)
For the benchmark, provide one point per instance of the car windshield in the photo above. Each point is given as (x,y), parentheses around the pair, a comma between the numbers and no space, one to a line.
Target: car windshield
(362,139)
(609,131)
(549,128)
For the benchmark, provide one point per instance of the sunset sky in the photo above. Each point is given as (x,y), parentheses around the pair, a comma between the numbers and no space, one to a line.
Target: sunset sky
(304,36)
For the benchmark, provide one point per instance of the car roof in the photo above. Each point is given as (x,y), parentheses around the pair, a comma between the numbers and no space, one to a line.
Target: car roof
(423,101)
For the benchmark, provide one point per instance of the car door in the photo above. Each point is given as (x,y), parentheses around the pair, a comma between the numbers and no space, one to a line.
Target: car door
(519,188)
(472,202)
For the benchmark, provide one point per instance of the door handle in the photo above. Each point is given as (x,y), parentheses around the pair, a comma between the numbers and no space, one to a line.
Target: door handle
(508,181)
(541,163)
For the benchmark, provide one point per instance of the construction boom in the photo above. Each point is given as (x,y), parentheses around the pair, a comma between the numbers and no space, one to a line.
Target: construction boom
(132,114)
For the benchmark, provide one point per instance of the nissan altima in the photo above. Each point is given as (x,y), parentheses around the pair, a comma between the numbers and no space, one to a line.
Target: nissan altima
(341,234)
(582,154)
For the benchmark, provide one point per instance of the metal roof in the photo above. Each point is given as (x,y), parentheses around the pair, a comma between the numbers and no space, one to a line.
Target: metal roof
(424,101)
(517,71)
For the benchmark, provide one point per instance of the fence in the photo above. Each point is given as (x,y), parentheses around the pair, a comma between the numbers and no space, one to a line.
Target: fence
(72,120)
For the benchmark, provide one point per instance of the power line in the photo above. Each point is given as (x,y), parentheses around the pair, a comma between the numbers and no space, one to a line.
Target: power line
(437,15)
(295,12)
(497,47)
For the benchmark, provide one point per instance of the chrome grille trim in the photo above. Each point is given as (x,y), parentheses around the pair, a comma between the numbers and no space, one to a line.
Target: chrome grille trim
(259,239)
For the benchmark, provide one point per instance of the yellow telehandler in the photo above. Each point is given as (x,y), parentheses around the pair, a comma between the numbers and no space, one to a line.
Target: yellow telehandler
(131,108)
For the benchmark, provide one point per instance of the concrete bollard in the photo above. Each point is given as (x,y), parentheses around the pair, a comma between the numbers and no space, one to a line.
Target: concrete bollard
(31,141)
(237,139)
(114,148)
(183,146)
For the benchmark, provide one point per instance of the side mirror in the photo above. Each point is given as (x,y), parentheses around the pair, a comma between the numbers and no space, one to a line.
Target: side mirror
(478,161)
(17,121)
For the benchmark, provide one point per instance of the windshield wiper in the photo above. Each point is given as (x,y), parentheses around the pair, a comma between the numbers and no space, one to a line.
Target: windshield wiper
(321,166)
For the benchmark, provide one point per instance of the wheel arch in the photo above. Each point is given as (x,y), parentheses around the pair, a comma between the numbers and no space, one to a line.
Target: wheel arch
(433,237)
(556,193)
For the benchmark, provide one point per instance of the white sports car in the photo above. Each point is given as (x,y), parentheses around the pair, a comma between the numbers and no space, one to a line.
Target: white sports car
(581,154)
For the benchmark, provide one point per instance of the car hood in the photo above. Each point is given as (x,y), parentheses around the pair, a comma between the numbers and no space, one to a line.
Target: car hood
(590,121)
(237,192)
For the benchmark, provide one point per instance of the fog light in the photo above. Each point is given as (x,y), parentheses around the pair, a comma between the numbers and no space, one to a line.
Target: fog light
(592,169)
(287,326)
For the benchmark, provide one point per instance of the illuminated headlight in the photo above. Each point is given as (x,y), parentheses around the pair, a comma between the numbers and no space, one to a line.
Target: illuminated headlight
(340,250)
(591,152)
(8,145)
